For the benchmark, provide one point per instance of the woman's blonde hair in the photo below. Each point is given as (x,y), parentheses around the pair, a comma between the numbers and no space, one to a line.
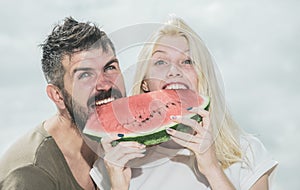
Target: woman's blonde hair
(225,130)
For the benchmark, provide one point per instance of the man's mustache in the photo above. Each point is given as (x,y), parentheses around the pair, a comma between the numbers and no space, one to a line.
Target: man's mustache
(104,94)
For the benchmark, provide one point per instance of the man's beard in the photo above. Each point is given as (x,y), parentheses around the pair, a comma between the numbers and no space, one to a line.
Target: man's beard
(78,113)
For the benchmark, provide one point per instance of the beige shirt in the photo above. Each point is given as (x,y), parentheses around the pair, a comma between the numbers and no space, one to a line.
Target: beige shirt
(35,162)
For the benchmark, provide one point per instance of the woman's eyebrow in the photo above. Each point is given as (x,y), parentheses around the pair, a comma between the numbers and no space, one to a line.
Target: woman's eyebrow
(158,51)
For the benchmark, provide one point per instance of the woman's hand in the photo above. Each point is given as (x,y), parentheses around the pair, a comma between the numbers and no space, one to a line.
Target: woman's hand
(116,158)
(201,142)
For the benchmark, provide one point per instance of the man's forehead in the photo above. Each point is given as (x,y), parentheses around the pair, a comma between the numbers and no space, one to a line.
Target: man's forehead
(90,55)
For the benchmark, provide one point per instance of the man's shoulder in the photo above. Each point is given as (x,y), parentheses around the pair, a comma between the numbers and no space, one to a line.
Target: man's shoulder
(28,177)
(35,162)
(27,150)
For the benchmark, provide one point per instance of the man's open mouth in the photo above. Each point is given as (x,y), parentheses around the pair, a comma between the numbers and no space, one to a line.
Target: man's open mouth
(104,97)
(105,101)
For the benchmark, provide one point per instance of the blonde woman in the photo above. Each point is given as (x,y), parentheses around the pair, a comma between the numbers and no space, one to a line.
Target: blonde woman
(219,155)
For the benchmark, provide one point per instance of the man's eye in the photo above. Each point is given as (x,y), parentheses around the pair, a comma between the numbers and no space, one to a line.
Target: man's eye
(84,75)
(160,62)
(110,67)
(187,62)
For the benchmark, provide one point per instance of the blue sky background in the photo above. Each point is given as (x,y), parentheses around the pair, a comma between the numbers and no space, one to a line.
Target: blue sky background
(255,43)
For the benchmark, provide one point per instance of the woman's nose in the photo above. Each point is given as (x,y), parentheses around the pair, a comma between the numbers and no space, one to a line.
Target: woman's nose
(174,71)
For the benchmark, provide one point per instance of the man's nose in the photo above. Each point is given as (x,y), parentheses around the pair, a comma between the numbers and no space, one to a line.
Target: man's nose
(103,83)
(174,71)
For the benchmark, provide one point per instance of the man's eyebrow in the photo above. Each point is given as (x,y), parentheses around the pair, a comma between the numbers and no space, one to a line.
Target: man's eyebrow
(111,62)
(81,69)
(89,69)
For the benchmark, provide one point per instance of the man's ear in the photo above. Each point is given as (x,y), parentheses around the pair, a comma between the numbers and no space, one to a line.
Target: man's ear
(54,93)
(145,86)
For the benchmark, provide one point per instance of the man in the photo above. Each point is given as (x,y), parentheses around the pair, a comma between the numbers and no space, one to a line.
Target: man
(82,70)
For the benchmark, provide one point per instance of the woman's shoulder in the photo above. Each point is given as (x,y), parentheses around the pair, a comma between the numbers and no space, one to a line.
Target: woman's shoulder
(250,141)
(256,161)
(253,149)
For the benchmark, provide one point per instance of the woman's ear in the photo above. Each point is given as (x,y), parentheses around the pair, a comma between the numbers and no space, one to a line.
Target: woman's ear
(145,86)
(54,93)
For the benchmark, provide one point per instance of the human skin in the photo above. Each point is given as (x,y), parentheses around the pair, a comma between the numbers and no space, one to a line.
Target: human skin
(170,60)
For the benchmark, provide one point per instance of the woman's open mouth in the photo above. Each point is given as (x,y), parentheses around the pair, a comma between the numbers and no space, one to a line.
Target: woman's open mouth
(175,86)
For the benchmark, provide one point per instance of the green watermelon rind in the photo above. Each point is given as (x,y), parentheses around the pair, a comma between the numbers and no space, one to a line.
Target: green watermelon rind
(161,136)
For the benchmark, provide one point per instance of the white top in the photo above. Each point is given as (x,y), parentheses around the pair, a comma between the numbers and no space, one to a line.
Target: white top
(172,169)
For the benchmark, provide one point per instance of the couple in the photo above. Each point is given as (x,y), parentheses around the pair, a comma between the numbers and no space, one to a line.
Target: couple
(82,70)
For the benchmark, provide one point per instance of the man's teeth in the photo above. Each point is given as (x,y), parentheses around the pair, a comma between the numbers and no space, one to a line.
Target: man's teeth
(176,86)
(105,101)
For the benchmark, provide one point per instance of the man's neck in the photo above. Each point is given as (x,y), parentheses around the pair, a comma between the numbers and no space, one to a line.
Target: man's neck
(77,153)
(68,138)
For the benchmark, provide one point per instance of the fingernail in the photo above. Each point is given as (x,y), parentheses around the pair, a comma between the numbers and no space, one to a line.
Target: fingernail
(190,108)
(169,130)
(121,135)
(173,116)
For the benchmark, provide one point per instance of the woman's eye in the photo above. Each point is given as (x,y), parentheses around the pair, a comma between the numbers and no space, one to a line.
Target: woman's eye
(160,62)
(187,62)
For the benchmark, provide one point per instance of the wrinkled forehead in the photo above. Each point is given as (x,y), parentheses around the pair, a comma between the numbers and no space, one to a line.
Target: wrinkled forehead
(90,55)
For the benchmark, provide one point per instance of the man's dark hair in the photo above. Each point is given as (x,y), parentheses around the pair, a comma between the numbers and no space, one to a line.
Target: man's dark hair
(66,39)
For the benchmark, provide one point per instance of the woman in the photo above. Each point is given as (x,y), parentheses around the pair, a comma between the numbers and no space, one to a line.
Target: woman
(219,155)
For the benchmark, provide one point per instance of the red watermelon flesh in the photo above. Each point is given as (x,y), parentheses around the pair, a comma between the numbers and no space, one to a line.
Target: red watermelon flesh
(143,117)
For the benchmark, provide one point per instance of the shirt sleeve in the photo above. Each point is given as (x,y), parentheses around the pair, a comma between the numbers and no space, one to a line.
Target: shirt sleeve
(257,161)
(28,178)
(99,175)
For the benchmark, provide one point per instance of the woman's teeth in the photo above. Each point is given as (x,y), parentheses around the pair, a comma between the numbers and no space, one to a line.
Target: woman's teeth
(176,86)
(105,101)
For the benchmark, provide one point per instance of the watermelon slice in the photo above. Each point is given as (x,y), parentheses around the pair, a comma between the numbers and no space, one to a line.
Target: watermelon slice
(144,118)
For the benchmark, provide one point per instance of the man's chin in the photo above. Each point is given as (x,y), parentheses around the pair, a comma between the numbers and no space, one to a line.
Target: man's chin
(92,121)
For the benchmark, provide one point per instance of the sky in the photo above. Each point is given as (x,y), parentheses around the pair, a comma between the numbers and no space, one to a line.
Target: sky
(255,45)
